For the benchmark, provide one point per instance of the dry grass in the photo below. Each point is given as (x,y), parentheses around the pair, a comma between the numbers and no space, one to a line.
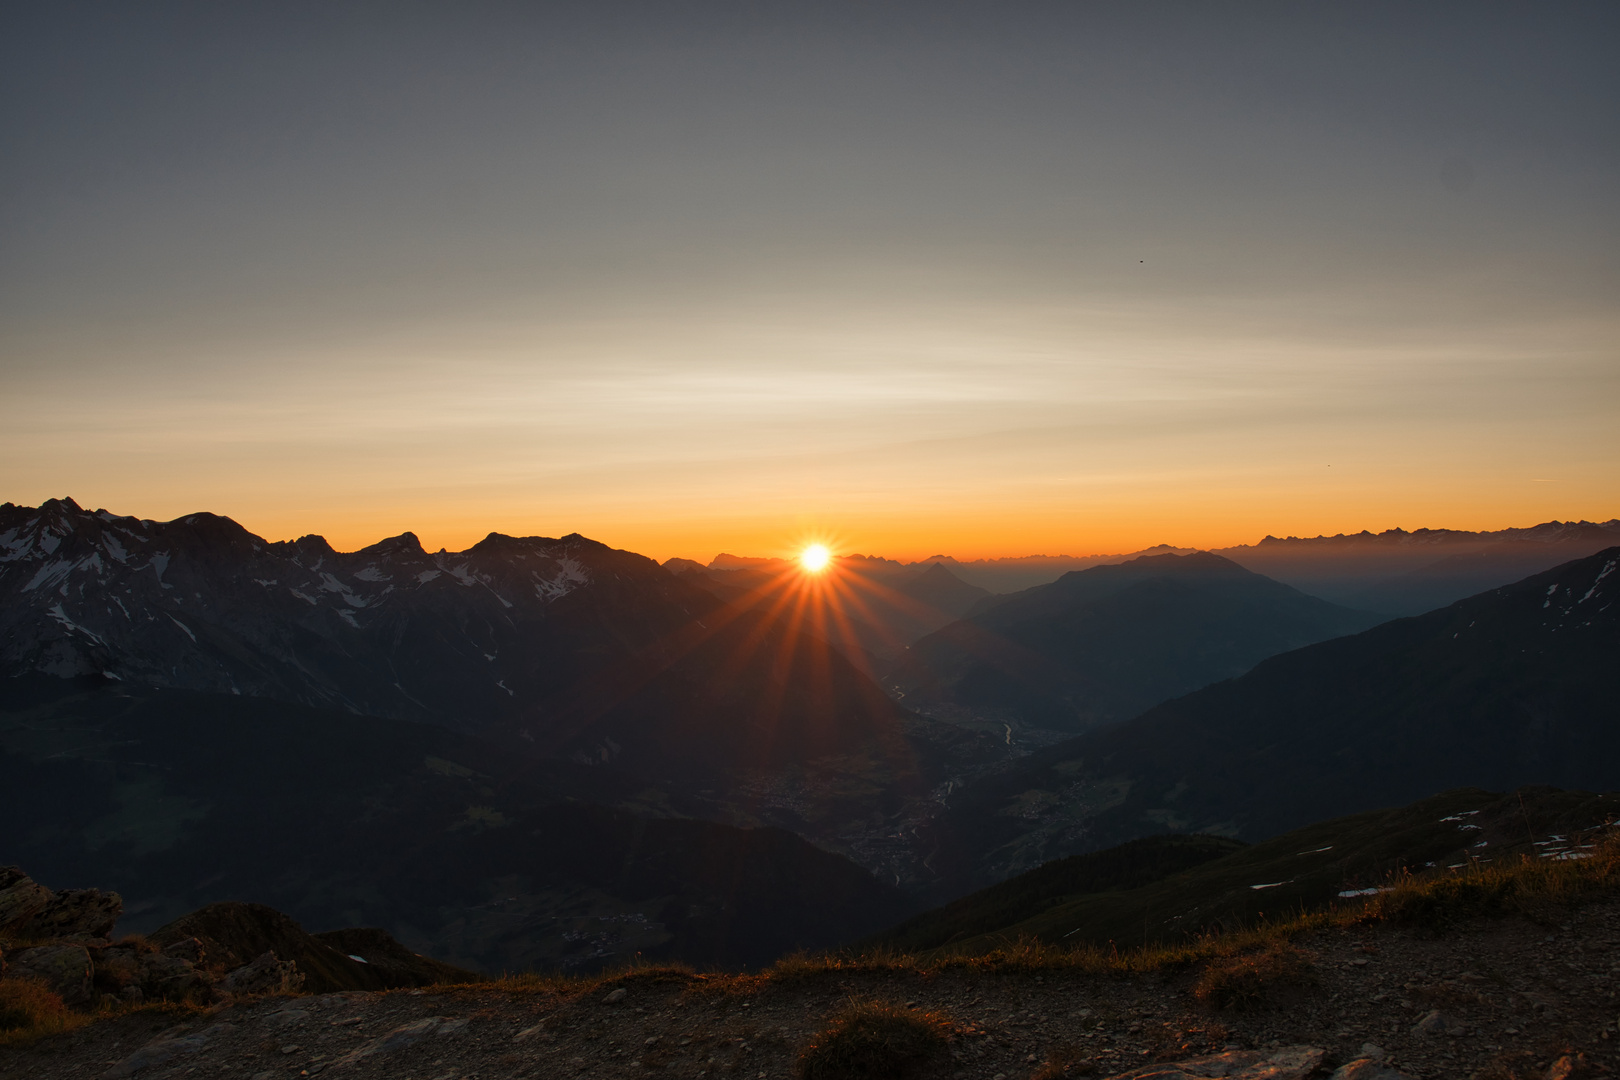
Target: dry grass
(1272,976)
(871,1040)
(30,1011)
(1529,887)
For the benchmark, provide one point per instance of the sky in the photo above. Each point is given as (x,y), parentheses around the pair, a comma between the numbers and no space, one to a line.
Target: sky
(911,278)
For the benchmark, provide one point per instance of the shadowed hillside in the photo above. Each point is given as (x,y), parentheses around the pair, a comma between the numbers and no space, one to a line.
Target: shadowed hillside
(1511,687)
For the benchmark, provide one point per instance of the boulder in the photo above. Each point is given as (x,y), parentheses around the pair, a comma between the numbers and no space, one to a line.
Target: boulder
(73,913)
(171,977)
(116,967)
(265,975)
(65,969)
(21,897)
(189,949)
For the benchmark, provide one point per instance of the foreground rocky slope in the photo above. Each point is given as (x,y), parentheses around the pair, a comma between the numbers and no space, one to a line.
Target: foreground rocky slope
(1497,999)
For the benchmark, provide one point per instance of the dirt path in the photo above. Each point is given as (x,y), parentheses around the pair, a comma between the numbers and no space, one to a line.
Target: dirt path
(1499,999)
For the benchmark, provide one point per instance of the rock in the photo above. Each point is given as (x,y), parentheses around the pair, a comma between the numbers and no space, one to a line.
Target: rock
(265,975)
(170,978)
(1367,1069)
(401,1037)
(189,949)
(21,898)
(616,996)
(1436,1023)
(116,967)
(1373,1050)
(73,913)
(286,1017)
(66,969)
(162,1050)
(1284,1063)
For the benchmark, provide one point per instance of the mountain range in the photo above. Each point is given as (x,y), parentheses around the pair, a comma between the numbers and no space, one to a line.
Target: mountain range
(1394,572)
(1514,686)
(1103,644)
(551,753)
(563,648)
(1397,572)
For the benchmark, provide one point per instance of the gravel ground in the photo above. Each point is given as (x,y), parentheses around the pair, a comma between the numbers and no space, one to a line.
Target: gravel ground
(1499,999)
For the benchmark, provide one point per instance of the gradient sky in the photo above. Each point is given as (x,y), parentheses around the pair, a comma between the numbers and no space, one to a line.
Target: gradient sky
(984,279)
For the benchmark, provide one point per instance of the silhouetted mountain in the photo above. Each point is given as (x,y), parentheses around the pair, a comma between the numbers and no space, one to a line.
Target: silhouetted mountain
(1174,888)
(459,846)
(565,646)
(942,590)
(1103,644)
(1016,573)
(1515,686)
(1407,573)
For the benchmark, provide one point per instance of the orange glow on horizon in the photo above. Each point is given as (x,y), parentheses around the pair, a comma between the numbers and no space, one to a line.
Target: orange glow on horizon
(1108,524)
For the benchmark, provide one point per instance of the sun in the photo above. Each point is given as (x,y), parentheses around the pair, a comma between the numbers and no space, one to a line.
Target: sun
(815,558)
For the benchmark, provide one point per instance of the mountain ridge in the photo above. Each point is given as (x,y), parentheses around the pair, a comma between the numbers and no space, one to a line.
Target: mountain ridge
(1513,686)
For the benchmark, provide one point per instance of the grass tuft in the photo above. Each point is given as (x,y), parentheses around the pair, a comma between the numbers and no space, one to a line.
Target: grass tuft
(30,1011)
(871,1040)
(1256,980)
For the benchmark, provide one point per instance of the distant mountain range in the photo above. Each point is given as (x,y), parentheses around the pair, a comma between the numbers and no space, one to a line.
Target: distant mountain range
(1103,644)
(548,752)
(1517,685)
(1394,572)
(1407,573)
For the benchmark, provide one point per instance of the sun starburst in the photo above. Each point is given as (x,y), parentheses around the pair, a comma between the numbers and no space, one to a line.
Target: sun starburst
(815,558)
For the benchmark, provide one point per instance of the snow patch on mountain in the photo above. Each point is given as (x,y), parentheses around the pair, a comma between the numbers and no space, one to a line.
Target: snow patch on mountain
(48,575)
